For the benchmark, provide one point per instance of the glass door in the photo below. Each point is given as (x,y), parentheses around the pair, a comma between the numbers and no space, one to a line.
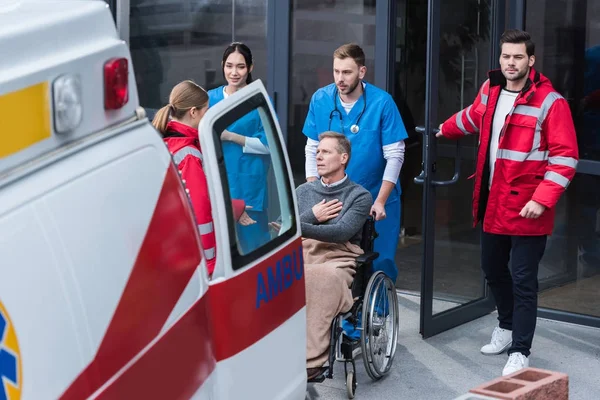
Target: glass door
(457,57)
(174,40)
(567,42)
(317,29)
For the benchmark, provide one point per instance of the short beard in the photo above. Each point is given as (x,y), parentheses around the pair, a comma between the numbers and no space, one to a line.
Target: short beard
(352,88)
(518,77)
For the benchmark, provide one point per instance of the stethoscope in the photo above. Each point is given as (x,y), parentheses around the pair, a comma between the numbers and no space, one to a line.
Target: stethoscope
(354,128)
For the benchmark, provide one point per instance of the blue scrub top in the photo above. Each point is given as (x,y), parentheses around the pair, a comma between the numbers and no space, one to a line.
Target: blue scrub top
(380,125)
(247,173)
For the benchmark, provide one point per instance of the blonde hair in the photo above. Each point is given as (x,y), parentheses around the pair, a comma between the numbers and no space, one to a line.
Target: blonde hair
(351,50)
(184,96)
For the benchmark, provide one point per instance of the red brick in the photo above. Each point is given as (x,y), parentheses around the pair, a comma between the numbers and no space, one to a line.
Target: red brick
(527,384)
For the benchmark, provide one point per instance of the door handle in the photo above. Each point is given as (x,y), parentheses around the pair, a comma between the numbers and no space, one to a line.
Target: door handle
(456,175)
(421,178)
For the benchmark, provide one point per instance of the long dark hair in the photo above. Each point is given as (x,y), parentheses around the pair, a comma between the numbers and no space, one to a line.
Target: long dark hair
(244,51)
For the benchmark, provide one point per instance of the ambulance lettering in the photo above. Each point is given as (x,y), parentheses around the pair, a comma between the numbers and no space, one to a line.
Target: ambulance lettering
(279,278)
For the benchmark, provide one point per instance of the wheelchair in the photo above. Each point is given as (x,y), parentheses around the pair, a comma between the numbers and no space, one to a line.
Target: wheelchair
(374,314)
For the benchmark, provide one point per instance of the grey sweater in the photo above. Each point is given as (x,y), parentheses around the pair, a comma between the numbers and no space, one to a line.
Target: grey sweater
(347,226)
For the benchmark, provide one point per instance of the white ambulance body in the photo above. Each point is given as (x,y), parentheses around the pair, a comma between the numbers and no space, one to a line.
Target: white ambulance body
(103,291)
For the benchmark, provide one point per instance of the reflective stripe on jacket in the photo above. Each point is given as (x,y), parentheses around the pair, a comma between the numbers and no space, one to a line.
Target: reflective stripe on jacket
(188,160)
(182,143)
(537,154)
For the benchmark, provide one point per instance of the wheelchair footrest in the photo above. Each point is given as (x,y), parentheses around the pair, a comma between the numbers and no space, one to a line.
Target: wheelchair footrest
(320,377)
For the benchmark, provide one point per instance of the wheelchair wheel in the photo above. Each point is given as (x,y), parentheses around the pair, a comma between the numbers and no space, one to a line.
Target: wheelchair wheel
(350,384)
(380,323)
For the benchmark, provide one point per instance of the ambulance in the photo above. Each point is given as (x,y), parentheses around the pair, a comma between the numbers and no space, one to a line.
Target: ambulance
(104,292)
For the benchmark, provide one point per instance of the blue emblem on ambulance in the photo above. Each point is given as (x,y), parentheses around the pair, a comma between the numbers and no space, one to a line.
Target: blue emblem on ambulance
(10,359)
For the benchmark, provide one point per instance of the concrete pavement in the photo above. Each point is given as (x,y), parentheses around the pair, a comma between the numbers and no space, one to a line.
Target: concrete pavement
(448,365)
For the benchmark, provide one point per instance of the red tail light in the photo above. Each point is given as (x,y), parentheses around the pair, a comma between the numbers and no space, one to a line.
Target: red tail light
(116,83)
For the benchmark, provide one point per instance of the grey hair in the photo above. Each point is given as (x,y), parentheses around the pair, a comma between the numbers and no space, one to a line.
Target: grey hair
(343,145)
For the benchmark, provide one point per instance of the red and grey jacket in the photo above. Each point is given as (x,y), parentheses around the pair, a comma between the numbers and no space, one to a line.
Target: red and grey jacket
(182,142)
(536,159)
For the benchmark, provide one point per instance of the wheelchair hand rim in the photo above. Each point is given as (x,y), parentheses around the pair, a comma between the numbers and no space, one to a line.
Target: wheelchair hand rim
(378,282)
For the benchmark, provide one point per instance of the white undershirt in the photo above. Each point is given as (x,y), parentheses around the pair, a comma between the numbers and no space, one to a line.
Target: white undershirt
(253,145)
(393,153)
(348,106)
(503,107)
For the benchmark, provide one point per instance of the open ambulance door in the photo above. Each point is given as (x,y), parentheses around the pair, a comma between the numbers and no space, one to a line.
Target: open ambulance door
(257,294)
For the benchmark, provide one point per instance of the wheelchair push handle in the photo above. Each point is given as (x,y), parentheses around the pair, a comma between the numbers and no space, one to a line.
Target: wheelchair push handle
(369,227)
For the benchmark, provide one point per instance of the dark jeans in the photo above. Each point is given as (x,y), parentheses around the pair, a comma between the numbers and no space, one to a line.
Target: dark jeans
(515,290)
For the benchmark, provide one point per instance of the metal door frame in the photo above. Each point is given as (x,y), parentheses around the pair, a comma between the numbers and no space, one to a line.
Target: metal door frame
(431,324)
(518,20)
(278,59)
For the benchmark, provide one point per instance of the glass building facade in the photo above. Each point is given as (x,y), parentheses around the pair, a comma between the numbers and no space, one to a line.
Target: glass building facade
(292,43)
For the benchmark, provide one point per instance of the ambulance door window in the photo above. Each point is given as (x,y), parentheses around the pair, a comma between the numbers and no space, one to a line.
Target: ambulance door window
(253,169)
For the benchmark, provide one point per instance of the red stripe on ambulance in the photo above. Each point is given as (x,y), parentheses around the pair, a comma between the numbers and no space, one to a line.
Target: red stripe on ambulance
(181,360)
(230,317)
(175,366)
(168,257)
(251,305)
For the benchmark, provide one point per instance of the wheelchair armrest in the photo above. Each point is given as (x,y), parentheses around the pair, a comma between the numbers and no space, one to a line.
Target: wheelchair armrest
(367,257)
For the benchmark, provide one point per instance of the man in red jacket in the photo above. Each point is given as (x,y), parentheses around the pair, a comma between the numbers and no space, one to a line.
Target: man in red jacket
(526,159)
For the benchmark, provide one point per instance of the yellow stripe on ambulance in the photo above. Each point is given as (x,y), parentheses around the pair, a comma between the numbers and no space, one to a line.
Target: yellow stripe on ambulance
(24,118)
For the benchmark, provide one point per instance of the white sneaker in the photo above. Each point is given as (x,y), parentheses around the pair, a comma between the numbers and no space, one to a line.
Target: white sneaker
(516,362)
(501,340)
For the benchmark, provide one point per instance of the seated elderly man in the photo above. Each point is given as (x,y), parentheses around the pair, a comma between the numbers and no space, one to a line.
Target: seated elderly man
(333,211)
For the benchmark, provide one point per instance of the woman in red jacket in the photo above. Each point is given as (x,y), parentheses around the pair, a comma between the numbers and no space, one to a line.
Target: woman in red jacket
(178,122)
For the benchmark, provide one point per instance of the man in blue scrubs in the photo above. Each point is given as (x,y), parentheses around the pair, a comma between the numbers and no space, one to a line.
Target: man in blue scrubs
(369,118)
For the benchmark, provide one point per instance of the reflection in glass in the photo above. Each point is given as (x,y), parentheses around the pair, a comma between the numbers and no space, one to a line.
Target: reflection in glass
(570,270)
(465,47)
(465,44)
(264,192)
(318,28)
(173,40)
(247,180)
(567,38)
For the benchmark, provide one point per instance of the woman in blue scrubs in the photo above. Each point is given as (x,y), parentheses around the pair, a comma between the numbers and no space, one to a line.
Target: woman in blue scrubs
(245,149)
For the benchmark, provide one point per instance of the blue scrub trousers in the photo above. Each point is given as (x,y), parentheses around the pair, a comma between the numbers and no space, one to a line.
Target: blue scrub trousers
(387,242)
(386,245)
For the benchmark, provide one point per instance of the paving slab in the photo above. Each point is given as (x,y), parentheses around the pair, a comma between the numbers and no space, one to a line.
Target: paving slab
(448,365)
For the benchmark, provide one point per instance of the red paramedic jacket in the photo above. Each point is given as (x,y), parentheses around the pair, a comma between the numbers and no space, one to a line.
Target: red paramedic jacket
(536,160)
(183,144)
